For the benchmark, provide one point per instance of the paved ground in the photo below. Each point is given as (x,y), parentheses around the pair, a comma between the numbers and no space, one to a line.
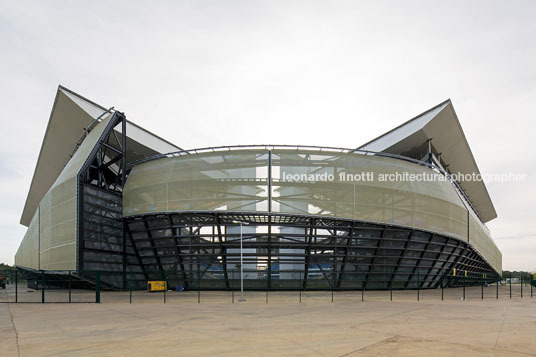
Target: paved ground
(315,327)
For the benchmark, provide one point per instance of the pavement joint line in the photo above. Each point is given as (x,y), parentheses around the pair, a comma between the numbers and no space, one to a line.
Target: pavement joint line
(379,343)
(164,324)
(14,328)
(432,341)
(461,344)
(502,325)
(140,334)
(386,316)
(296,343)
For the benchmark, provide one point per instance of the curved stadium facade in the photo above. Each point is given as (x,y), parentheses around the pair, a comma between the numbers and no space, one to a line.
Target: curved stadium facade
(109,196)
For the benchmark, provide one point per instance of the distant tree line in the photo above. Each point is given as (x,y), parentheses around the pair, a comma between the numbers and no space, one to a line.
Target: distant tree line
(517,274)
(5,267)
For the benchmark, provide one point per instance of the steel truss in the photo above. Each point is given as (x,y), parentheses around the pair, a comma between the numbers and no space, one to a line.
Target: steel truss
(284,251)
(100,232)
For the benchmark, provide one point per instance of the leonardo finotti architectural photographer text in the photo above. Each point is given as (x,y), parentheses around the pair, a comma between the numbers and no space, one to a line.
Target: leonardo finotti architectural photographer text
(368,176)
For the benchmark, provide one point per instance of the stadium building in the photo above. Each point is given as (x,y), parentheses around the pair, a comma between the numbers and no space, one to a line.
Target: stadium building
(108,195)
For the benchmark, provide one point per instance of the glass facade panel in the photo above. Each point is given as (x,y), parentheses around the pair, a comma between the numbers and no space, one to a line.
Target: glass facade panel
(480,239)
(28,253)
(53,228)
(313,182)
(341,186)
(234,180)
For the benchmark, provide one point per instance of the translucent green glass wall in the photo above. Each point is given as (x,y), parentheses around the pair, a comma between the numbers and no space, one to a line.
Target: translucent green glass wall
(50,241)
(433,206)
(28,253)
(237,180)
(481,240)
(57,227)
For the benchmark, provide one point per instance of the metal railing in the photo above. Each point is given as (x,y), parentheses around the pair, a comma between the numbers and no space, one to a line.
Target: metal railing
(68,287)
(323,149)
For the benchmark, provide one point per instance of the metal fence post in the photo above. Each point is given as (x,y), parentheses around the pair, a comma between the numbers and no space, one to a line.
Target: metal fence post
(97,286)
(165,286)
(69,286)
(442,286)
(391,285)
(510,286)
(267,288)
(42,286)
(418,286)
(332,285)
(497,292)
(521,279)
(482,294)
(198,286)
(463,283)
(130,287)
(232,287)
(16,286)
(301,284)
(363,286)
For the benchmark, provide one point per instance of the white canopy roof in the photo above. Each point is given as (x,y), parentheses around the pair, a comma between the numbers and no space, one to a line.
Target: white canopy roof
(70,118)
(441,125)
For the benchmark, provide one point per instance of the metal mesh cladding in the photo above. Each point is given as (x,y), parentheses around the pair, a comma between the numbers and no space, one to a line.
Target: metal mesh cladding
(259,180)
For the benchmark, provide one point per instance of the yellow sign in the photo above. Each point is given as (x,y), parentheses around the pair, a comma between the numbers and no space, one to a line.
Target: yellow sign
(454,272)
(466,273)
(156,285)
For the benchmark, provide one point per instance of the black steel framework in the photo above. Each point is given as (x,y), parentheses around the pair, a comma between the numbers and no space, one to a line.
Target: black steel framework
(100,230)
(281,251)
(317,253)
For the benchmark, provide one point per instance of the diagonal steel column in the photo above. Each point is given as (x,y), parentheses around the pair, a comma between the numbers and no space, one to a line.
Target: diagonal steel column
(177,250)
(223,252)
(308,252)
(151,242)
(418,264)
(346,254)
(136,252)
(402,254)
(367,280)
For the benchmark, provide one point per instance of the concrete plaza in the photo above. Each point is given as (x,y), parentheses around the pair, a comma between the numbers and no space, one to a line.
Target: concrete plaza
(284,326)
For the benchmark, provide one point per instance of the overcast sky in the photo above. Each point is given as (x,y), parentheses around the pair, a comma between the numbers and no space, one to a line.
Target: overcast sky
(329,73)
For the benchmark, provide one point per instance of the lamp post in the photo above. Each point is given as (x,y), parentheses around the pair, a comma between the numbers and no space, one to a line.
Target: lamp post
(241,268)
